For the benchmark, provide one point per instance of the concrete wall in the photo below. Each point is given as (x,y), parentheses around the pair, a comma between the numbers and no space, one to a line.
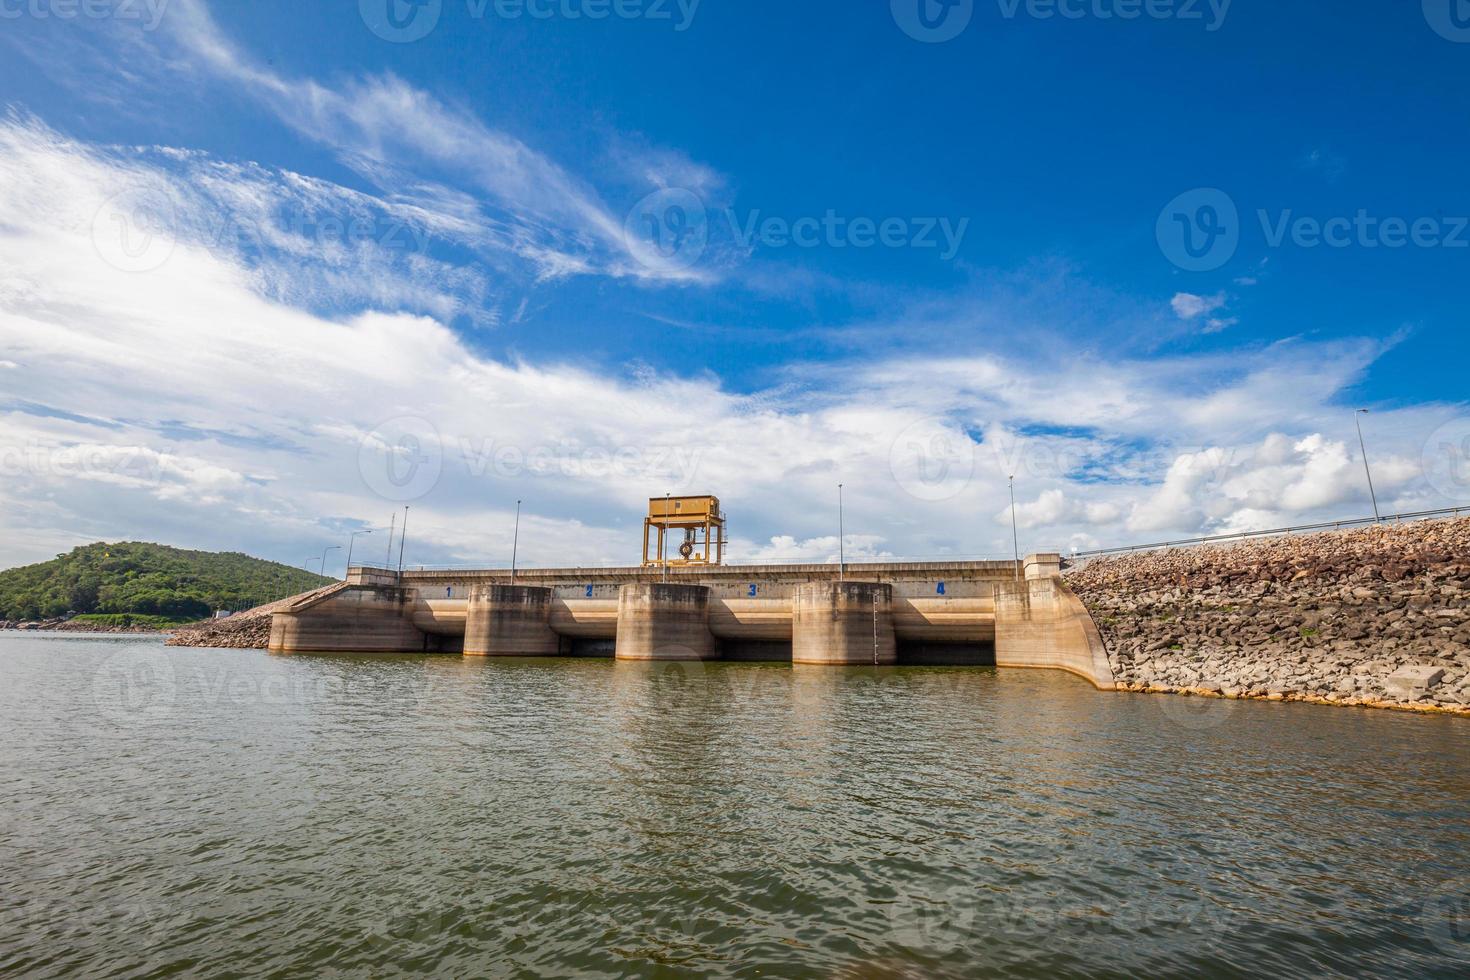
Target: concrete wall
(1040,623)
(373,619)
(941,612)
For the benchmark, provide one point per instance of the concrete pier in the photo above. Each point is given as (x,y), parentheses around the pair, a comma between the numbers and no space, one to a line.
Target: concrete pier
(510,621)
(661,621)
(843,623)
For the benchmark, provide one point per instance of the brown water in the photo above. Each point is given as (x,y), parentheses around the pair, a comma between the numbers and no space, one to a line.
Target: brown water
(223,812)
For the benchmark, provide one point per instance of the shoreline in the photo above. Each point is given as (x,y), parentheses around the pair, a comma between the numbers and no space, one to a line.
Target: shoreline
(1454,711)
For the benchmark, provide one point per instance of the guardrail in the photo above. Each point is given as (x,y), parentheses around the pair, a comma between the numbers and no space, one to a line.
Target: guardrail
(1278,532)
(741,563)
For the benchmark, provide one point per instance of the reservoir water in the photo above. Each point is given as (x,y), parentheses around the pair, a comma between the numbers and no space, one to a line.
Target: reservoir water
(168,811)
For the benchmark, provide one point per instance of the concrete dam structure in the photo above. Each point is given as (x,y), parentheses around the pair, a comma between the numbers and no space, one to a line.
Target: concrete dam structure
(985,613)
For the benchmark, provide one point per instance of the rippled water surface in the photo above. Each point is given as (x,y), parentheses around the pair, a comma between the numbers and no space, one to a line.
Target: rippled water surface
(202,812)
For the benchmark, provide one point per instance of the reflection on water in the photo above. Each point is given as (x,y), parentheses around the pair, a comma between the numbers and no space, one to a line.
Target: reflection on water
(223,811)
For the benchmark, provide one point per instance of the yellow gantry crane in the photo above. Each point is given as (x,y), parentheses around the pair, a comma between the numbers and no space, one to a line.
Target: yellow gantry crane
(703,524)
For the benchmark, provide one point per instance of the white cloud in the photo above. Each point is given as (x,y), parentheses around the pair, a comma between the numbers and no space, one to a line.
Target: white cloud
(1188,306)
(1054,508)
(393,133)
(213,407)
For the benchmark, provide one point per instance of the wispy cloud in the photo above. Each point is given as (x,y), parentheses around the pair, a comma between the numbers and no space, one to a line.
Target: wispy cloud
(395,134)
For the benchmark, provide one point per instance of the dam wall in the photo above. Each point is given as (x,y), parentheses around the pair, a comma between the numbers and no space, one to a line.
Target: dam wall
(997,613)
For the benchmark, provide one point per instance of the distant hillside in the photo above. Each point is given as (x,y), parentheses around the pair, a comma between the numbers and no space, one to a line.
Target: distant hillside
(149,580)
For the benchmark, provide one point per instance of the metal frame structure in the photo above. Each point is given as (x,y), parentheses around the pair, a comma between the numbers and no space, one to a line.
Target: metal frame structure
(701,521)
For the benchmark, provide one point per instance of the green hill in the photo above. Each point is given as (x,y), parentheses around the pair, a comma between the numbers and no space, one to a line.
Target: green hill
(147,580)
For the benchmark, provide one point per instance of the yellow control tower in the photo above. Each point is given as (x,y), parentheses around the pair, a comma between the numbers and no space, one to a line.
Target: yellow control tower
(703,541)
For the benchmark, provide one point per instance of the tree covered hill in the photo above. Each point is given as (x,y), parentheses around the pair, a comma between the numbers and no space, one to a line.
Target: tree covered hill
(146,579)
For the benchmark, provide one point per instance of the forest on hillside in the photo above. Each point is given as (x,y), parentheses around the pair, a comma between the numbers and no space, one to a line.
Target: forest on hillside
(149,580)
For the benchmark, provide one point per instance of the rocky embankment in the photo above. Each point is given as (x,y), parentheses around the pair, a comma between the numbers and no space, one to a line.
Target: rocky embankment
(71,626)
(1378,616)
(248,630)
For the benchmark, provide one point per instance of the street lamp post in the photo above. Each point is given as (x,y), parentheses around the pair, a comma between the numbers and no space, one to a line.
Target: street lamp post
(351,543)
(325,552)
(1015,536)
(841,538)
(515,545)
(1358,420)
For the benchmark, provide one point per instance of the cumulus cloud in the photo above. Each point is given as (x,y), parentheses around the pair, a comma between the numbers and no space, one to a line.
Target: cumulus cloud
(1054,508)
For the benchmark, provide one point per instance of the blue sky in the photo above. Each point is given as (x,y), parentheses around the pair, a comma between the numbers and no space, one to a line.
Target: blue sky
(502,288)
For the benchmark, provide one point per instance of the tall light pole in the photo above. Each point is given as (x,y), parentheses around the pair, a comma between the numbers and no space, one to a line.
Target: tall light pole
(515,545)
(351,543)
(402,539)
(323,569)
(307,564)
(841,538)
(663,536)
(1358,420)
(1015,536)
(392,533)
